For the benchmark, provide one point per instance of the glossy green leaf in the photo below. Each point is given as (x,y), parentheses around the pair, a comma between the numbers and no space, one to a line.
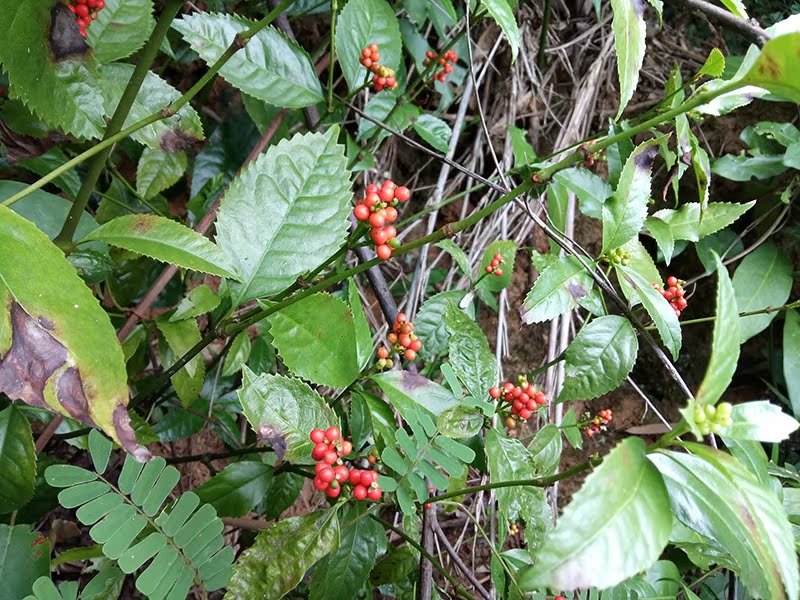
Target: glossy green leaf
(236,489)
(434,131)
(470,356)
(760,421)
(429,323)
(361,23)
(40,293)
(198,302)
(281,555)
(625,212)
(714,65)
(724,344)
(17,459)
(557,290)
(24,557)
(774,68)
(685,223)
(599,358)
(763,279)
(591,545)
(120,29)
(296,196)
(343,572)
(545,448)
(316,340)
(43,164)
(714,495)
(659,309)
(165,240)
(629,43)
(158,171)
(363,334)
(791,358)
(237,355)
(383,107)
(570,429)
(460,422)
(283,411)
(501,12)
(179,132)
(591,190)
(746,168)
(271,67)
(282,493)
(405,390)
(47,211)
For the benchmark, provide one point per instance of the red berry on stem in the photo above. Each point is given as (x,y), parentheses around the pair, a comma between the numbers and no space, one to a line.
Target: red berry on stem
(361,212)
(319,451)
(383,352)
(327,475)
(494,392)
(672,281)
(331,456)
(375,493)
(410,354)
(355,476)
(384,252)
(359,492)
(498,272)
(332,433)
(341,472)
(377,219)
(317,436)
(333,492)
(386,194)
(402,193)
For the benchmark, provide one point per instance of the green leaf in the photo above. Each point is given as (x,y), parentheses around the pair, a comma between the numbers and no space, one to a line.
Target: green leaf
(158,171)
(458,255)
(714,65)
(64,93)
(724,344)
(283,491)
(238,354)
(501,12)
(599,358)
(406,391)
(629,43)
(120,29)
(434,131)
(659,309)
(179,132)
(686,223)
(591,546)
(640,261)
(17,459)
(761,421)
(625,212)
(774,67)
(470,356)
(24,557)
(296,196)
(235,490)
(570,429)
(791,358)
(106,585)
(363,334)
(429,323)
(714,495)
(381,107)
(69,182)
(762,279)
(508,249)
(736,7)
(545,449)
(343,572)
(164,240)
(284,411)
(557,290)
(198,302)
(591,190)
(460,422)
(83,373)
(47,211)
(745,168)
(523,151)
(281,555)
(316,340)
(361,23)
(271,67)
(180,337)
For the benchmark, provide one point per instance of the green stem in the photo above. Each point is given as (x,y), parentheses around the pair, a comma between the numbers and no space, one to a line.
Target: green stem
(750,313)
(240,41)
(208,457)
(64,238)
(668,438)
(332,61)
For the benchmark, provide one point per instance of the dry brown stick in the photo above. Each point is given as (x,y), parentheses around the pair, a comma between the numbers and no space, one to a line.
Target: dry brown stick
(748,29)
(437,529)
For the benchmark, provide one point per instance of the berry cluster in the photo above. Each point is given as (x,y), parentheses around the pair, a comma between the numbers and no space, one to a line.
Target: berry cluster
(674,293)
(382,77)
(523,397)
(445,62)
(378,207)
(85,11)
(329,450)
(599,422)
(494,267)
(619,256)
(402,339)
(713,419)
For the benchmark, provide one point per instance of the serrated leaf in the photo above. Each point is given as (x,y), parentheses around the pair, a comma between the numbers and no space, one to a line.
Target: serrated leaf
(556,291)
(746,168)
(17,459)
(271,67)
(383,107)
(590,546)
(120,29)
(599,358)
(625,212)
(791,358)
(158,171)
(297,195)
(179,132)
(165,240)
(659,309)
(591,190)
(460,422)
(197,302)
(236,489)
(501,12)
(685,223)
(640,261)
(56,319)
(434,131)
(458,255)
(316,340)
(762,279)
(406,390)
(570,429)
(508,249)
(238,354)
(24,557)
(361,23)
(545,449)
(470,356)
(281,555)
(629,43)
(761,421)
(180,337)
(714,65)
(714,495)
(284,411)
(429,323)
(773,69)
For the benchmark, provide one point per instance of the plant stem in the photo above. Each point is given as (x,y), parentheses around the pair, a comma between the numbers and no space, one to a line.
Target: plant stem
(764,311)
(176,460)
(64,238)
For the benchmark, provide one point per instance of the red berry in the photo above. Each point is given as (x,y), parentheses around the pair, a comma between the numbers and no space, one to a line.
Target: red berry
(347,448)
(383,352)
(390,214)
(317,436)
(384,252)
(327,475)
(494,392)
(379,236)
(390,230)
(331,456)
(386,194)
(402,193)
(498,272)
(319,466)
(368,477)
(82,10)
(672,281)
(416,345)
(332,433)
(401,317)
(359,492)
(488,268)
(375,493)
(373,48)
(333,492)
(319,484)
(525,413)
(361,212)
(410,354)
(319,451)
(341,473)
(355,476)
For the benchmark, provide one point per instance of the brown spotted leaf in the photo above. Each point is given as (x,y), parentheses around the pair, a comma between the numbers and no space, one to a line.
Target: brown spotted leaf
(776,67)
(58,349)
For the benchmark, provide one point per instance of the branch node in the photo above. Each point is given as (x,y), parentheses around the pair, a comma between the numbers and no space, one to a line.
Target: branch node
(239,42)
(448,231)
(167,112)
